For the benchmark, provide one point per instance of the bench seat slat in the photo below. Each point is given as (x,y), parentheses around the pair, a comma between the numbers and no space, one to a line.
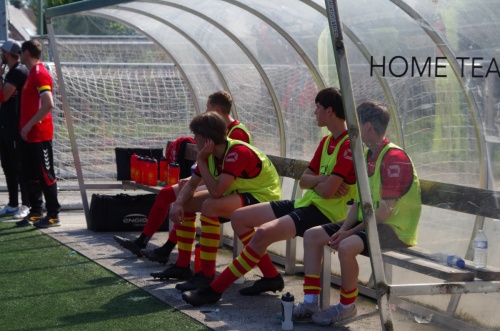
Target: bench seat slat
(427,267)
(288,167)
(489,273)
(460,198)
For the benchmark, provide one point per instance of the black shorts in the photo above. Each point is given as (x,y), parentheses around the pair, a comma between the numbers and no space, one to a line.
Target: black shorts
(247,199)
(387,237)
(304,218)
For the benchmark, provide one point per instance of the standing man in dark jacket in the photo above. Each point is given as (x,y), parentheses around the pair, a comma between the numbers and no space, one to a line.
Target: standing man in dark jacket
(10,139)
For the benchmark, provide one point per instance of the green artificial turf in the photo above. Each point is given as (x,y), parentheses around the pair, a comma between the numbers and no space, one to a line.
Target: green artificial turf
(47,286)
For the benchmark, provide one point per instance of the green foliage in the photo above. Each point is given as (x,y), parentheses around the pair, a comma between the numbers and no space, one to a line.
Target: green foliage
(83,24)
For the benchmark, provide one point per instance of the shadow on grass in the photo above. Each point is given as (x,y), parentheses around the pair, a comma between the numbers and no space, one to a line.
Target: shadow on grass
(5,231)
(123,306)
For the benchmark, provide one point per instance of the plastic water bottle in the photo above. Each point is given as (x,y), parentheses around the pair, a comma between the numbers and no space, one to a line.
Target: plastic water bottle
(286,311)
(174,170)
(134,164)
(450,260)
(163,170)
(480,250)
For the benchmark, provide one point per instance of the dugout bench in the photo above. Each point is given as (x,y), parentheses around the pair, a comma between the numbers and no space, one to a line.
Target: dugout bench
(474,201)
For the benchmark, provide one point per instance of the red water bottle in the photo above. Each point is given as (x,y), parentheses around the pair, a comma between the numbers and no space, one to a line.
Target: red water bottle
(153,172)
(140,170)
(197,259)
(134,160)
(146,174)
(174,171)
(163,169)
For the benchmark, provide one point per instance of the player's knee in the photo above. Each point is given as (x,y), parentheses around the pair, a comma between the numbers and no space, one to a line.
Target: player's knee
(315,237)
(260,237)
(208,207)
(349,248)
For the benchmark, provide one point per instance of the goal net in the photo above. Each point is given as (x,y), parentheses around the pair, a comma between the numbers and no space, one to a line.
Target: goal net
(121,103)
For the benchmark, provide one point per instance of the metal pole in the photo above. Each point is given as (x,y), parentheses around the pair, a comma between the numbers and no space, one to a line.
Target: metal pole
(39,20)
(4,21)
(69,122)
(381,287)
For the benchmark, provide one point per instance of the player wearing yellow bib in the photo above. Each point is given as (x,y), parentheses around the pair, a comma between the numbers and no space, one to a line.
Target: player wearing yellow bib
(235,174)
(328,182)
(395,193)
(221,103)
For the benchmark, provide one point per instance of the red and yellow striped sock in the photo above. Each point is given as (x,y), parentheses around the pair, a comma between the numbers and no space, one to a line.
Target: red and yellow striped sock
(209,244)
(348,297)
(312,284)
(186,233)
(265,265)
(247,260)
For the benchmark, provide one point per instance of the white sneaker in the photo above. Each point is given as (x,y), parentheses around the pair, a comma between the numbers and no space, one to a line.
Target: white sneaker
(304,311)
(8,211)
(334,314)
(22,212)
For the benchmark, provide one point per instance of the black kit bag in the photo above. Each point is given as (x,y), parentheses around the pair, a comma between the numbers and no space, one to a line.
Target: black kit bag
(121,212)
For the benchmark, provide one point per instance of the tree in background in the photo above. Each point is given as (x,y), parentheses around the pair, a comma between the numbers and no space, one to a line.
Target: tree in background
(78,24)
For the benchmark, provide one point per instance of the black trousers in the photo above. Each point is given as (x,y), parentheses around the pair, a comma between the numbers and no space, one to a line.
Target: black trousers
(10,155)
(38,166)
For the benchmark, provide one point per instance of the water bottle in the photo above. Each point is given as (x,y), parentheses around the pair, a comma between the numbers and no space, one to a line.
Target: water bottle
(480,250)
(153,172)
(286,311)
(174,170)
(140,170)
(450,260)
(163,169)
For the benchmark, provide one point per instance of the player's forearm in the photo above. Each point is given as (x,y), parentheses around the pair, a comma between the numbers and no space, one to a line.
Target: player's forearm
(187,191)
(309,180)
(351,218)
(384,211)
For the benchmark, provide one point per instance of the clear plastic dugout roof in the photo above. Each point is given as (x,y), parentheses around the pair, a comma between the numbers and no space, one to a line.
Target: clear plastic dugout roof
(135,73)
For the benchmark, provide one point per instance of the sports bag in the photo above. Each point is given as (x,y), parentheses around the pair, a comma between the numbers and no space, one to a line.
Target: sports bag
(121,212)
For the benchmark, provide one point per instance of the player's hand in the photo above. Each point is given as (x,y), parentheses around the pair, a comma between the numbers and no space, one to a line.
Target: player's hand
(176,213)
(342,190)
(24,132)
(207,150)
(337,238)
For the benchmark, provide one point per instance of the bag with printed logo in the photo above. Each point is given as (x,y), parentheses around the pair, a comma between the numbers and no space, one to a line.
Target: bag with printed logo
(121,212)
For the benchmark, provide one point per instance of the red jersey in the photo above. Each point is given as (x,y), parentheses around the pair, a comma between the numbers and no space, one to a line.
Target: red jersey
(238,134)
(38,82)
(396,171)
(240,162)
(344,167)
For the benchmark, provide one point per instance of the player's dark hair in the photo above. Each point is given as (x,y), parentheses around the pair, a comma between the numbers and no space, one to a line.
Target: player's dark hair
(376,114)
(34,47)
(222,99)
(210,125)
(331,97)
